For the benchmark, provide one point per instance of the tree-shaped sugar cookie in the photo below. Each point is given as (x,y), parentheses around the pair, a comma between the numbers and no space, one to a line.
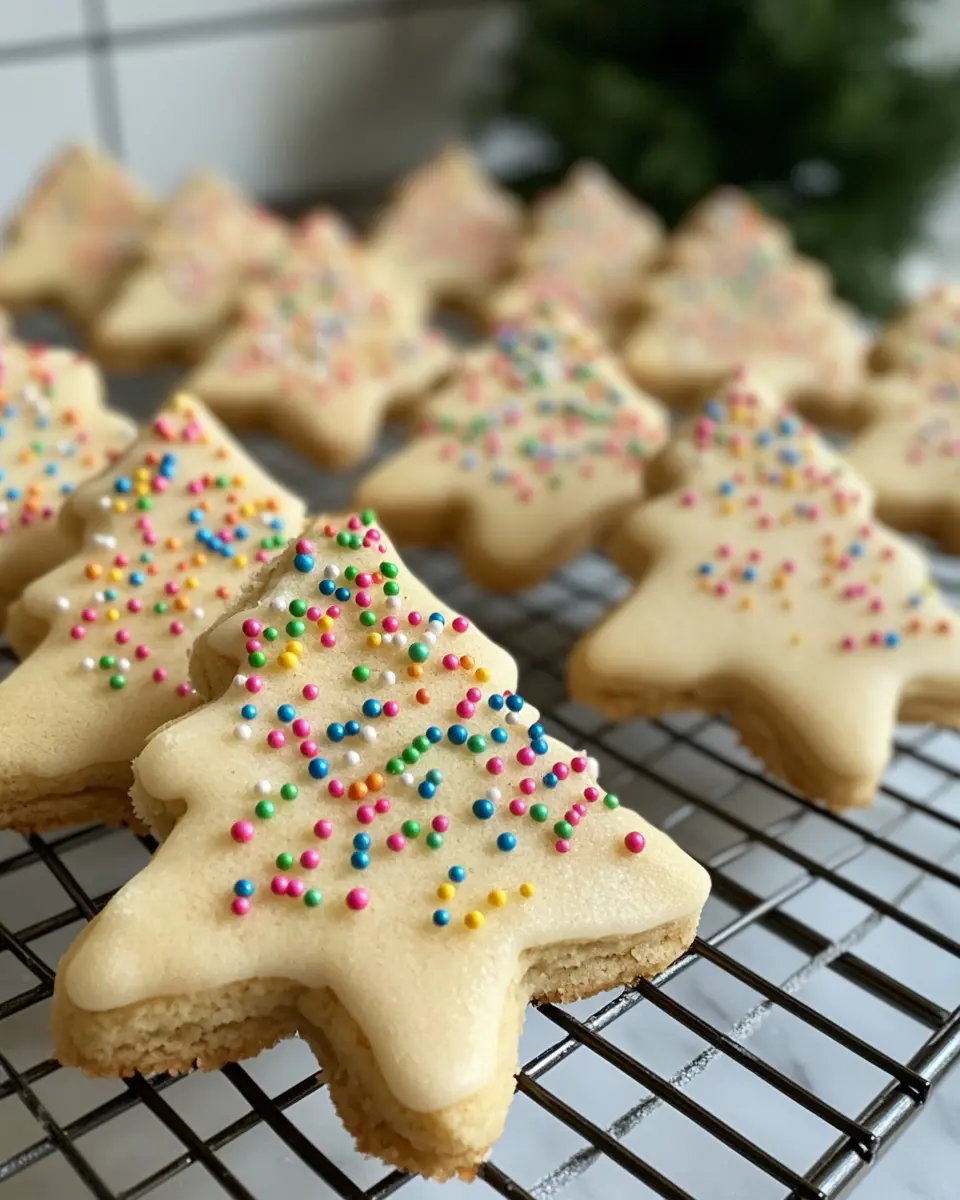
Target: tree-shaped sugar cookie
(54,432)
(450,229)
(924,335)
(810,352)
(169,536)
(767,589)
(538,443)
(591,246)
(208,243)
(324,349)
(728,219)
(370,841)
(75,236)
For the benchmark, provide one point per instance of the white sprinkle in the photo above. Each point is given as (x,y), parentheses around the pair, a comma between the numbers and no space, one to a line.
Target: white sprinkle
(239,680)
(400,639)
(243,733)
(512,718)
(279,603)
(387,677)
(368,733)
(394,602)
(593,767)
(99,597)
(437,627)
(63,603)
(199,613)
(331,571)
(263,787)
(123,664)
(407,779)
(430,638)
(105,502)
(494,794)
(88,664)
(352,758)
(387,640)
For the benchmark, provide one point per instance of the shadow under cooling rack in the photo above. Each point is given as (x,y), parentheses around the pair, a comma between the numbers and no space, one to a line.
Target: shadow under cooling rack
(800,1035)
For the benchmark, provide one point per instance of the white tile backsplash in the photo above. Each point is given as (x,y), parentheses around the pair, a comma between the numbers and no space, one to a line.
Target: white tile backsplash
(26,21)
(45,103)
(147,14)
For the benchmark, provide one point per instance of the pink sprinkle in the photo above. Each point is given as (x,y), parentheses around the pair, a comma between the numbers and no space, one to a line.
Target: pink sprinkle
(134,605)
(441,823)
(333,612)
(465,709)
(572,816)
(366,814)
(354,523)
(724,550)
(876,605)
(364,579)
(591,794)
(323,829)
(518,807)
(279,885)
(276,738)
(314,613)
(875,638)
(177,627)
(849,643)
(391,708)
(304,546)
(310,691)
(160,675)
(528,786)
(358,899)
(142,651)
(364,599)
(89,614)
(328,639)
(310,859)
(309,749)
(336,788)
(561,846)
(495,766)
(300,727)
(382,805)
(460,624)
(253,645)
(635,842)
(296,887)
(722,588)
(580,809)
(240,906)
(526,756)
(689,500)
(184,689)
(122,636)
(474,695)
(78,632)
(396,842)
(390,624)
(415,618)
(561,770)
(579,764)
(242,831)
(451,662)
(254,684)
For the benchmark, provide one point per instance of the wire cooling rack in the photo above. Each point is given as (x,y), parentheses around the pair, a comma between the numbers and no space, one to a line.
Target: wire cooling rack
(808,1025)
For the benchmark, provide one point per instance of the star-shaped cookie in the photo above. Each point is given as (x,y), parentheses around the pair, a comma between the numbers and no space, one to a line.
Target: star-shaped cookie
(55,431)
(450,230)
(590,247)
(162,542)
(76,235)
(768,590)
(811,353)
(370,841)
(209,242)
(537,444)
(324,349)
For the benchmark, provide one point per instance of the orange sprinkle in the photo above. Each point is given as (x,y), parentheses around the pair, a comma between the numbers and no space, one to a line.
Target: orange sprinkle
(415,671)
(423,696)
(93,571)
(467,661)
(375,781)
(357,790)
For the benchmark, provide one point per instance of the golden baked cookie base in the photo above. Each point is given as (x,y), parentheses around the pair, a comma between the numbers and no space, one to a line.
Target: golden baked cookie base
(212,1028)
(107,806)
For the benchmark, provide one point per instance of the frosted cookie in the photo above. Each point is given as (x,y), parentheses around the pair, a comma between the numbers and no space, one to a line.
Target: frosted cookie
(766,589)
(208,243)
(369,841)
(591,246)
(925,334)
(728,219)
(169,535)
(324,350)
(75,236)
(450,230)
(812,355)
(55,431)
(520,462)
(910,455)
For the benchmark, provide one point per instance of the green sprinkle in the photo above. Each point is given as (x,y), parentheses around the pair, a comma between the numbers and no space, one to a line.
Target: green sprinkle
(107,661)
(350,574)
(410,755)
(295,628)
(476,743)
(540,812)
(223,481)
(390,588)
(611,801)
(395,766)
(289,791)
(410,829)
(368,516)
(298,607)
(271,634)
(312,897)
(421,743)
(257,659)
(117,682)
(355,542)
(343,538)
(368,618)
(160,607)
(264,809)
(391,570)
(144,504)
(563,829)
(419,652)
(434,840)
(361,673)
(285,860)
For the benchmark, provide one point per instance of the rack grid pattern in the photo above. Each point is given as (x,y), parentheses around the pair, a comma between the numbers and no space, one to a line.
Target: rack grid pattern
(800,896)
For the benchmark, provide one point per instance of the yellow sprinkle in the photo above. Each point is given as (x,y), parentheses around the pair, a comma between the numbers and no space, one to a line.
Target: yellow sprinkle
(482,674)
(746,602)
(120,506)
(877,577)
(199,560)
(446,891)
(179,401)
(191,581)
(247,510)
(374,639)
(143,489)
(142,473)
(288,661)
(294,648)
(497,898)
(116,574)
(241,561)
(473,920)
(727,507)
(527,890)
(113,614)
(239,481)
(324,624)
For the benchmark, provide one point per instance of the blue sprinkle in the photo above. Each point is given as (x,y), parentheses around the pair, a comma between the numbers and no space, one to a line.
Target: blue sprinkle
(244,887)
(196,516)
(536,730)
(286,713)
(495,701)
(352,728)
(507,842)
(457,874)
(499,734)
(362,841)
(342,594)
(749,574)
(303,563)
(892,639)
(727,488)
(434,734)
(483,810)
(123,486)
(550,780)
(427,790)
(372,708)
(441,917)
(335,732)
(515,702)
(457,734)
(318,768)
(326,587)
(359,860)
(438,617)
(248,712)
